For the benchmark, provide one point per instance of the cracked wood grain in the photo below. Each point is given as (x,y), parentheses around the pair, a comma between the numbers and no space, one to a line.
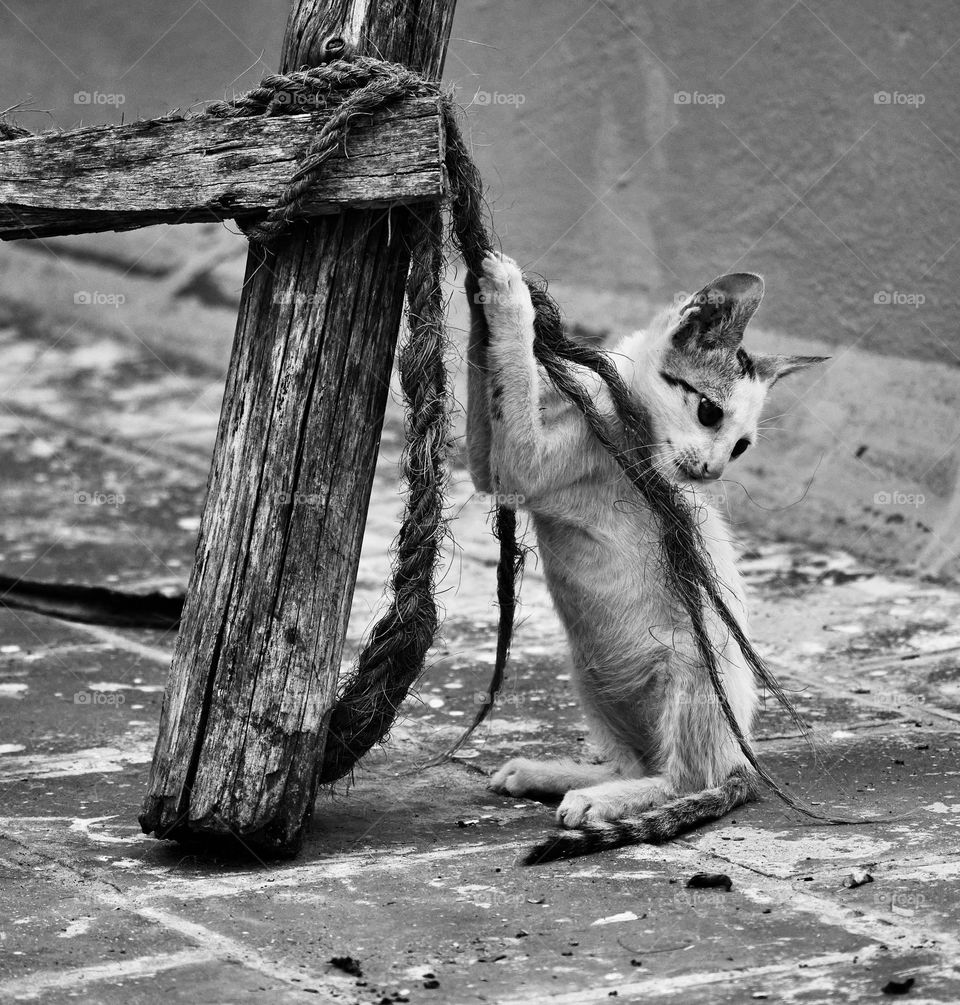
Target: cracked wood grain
(204,169)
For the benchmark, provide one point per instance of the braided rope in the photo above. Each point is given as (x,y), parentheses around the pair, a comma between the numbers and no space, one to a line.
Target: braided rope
(393,657)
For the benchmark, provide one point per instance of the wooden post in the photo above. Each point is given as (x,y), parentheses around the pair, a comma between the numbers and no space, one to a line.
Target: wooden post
(254,674)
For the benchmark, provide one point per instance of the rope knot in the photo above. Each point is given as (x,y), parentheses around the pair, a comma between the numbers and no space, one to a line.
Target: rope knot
(351,89)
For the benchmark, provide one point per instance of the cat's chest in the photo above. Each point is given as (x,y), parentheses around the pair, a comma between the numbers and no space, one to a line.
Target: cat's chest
(614,549)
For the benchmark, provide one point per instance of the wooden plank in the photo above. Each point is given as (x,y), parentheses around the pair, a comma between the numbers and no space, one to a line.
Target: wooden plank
(254,676)
(202,169)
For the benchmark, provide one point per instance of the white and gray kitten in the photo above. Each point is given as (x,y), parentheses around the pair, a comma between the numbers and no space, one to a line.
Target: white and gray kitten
(670,760)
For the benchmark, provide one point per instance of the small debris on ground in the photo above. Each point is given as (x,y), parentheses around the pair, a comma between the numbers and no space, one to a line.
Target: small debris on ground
(347,964)
(895,987)
(710,881)
(859,877)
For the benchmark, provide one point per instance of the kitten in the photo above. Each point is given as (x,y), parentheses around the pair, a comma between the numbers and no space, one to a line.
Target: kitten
(670,761)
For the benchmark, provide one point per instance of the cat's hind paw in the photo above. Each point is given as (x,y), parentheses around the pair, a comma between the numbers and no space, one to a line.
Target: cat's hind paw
(613,800)
(574,808)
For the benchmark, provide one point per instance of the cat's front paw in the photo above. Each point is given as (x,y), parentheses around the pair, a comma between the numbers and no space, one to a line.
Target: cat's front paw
(518,777)
(504,294)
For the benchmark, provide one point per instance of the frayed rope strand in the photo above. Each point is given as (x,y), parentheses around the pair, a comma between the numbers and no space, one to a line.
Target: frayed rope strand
(509,574)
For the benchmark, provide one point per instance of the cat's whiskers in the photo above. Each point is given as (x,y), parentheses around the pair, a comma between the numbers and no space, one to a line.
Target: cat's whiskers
(657,460)
(657,451)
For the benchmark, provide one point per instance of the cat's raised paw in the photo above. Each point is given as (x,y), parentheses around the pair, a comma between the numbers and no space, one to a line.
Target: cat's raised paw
(498,267)
(504,294)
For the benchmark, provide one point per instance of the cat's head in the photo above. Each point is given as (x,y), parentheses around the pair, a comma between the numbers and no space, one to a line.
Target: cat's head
(703,390)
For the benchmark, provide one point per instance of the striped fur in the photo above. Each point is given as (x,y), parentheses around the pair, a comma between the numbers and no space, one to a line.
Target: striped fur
(654,827)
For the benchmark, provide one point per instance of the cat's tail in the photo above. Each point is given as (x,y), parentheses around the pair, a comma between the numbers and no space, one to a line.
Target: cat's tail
(652,827)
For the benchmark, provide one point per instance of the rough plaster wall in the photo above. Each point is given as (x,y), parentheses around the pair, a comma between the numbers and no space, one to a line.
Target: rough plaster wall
(599,177)
(156,56)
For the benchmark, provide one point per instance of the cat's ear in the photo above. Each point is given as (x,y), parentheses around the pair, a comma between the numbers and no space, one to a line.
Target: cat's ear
(771,368)
(715,317)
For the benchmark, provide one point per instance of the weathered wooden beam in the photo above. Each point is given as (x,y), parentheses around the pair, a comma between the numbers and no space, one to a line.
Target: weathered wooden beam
(254,675)
(201,169)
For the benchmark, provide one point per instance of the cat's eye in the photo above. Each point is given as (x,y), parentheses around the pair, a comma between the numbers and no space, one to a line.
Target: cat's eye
(709,413)
(738,449)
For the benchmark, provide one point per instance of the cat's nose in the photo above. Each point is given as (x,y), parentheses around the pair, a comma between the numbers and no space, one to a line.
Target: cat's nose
(711,472)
